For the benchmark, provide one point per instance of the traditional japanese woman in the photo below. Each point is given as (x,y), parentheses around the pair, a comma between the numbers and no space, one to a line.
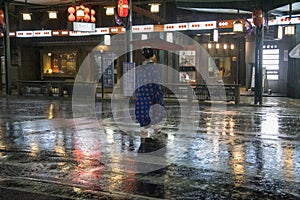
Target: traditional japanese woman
(149,106)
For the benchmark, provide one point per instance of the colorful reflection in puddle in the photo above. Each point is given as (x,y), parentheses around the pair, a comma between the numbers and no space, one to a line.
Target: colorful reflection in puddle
(237,153)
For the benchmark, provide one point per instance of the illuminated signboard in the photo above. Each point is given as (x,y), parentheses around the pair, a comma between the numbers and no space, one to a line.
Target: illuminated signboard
(82,26)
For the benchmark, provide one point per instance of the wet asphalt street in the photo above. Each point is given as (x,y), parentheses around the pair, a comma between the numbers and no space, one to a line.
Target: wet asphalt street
(205,151)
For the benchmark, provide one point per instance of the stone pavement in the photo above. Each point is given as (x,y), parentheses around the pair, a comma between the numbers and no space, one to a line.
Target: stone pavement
(205,151)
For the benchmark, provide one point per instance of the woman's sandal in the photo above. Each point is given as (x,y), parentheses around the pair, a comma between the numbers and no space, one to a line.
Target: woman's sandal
(144,133)
(157,131)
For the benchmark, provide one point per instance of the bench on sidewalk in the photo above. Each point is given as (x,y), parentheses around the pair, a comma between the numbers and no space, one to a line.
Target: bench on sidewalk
(202,92)
(33,88)
(226,92)
(176,90)
(46,88)
(55,88)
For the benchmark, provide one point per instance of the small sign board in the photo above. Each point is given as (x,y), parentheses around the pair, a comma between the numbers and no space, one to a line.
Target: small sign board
(84,26)
(104,69)
(108,73)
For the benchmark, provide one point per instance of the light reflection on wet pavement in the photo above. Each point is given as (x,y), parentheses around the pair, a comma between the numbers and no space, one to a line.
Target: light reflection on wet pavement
(246,152)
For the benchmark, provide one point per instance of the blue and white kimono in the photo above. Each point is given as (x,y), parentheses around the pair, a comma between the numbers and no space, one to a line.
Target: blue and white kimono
(149,106)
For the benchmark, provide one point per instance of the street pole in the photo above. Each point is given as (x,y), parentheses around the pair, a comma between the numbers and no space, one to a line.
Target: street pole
(129,35)
(238,61)
(1,76)
(258,65)
(7,51)
(102,72)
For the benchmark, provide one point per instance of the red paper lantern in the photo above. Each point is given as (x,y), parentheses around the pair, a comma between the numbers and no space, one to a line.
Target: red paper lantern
(86,10)
(93,19)
(71,10)
(86,17)
(71,17)
(1,17)
(257,17)
(81,13)
(123,8)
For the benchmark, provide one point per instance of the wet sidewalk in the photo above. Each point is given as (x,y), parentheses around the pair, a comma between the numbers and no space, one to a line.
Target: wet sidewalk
(205,151)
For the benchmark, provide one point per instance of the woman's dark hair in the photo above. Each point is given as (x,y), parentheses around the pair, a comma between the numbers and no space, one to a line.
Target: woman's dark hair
(147,53)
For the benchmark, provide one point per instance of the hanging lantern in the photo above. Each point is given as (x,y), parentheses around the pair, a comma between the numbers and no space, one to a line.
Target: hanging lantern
(87,17)
(110,10)
(71,17)
(71,11)
(93,19)
(93,12)
(1,17)
(154,7)
(123,8)
(86,14)
(86,10)
(80,13)
(238,26)
(257,17)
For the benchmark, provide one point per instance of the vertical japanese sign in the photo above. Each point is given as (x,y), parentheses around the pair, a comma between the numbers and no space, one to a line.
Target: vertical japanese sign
(128,78)
(104,69)
(108,73)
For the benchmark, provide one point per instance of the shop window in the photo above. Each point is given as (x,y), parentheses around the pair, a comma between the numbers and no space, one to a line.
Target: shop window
(187,58)
(62,64)
(187,63)
(219,66)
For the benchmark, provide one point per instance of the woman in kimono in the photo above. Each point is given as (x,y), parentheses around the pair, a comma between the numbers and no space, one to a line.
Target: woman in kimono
(149,106)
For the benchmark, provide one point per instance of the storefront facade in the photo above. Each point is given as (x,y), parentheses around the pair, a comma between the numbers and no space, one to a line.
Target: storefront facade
(59,57)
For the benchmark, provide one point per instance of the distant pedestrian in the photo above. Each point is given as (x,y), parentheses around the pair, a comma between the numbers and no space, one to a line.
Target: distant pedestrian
(149,106)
